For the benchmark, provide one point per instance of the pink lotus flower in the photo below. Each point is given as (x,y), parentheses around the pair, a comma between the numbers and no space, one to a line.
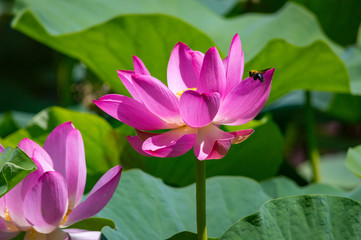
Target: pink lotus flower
(204,92)
(49,198)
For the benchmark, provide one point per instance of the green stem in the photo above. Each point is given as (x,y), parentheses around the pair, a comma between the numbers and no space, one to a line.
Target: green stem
(201,199)
(312,149)
(64,75)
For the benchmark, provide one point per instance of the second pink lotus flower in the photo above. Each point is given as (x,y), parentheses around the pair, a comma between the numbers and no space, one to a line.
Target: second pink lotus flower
(49,199)
(204,92)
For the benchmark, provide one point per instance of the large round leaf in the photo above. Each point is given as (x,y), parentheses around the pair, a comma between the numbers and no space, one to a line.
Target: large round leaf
(143,207)
(133,35)
(301,217)
(108,47)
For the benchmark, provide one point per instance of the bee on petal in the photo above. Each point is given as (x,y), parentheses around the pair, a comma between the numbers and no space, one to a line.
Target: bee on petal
(258,74)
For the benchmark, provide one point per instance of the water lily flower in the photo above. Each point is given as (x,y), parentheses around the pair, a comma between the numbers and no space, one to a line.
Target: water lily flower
(49,199)
(203,93)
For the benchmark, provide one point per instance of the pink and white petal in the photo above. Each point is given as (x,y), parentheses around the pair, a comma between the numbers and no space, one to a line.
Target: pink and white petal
(158,98)
(206,140)
(98,197)
(242,135)
(213,76)
(130,112)
(198,109)
(28,146)
(173,143)
(3,207)
(235,64)
(79,234)
(46,203)
(14,199)
(126,78)
(7,226)
(66,147)
(58,234)
(245,101)
(2,149)
(181,73)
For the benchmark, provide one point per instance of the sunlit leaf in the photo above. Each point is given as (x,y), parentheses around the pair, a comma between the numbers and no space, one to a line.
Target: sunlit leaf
(353,160)
(15,165)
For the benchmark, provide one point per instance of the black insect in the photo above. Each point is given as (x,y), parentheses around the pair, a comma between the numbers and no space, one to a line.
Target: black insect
(258,74)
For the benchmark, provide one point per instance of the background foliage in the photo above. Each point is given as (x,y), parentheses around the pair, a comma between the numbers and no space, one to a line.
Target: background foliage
(57,56)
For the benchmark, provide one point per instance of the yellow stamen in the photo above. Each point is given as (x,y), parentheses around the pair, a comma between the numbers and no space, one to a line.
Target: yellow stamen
(32,233)
(179,94)
(66,216)
(8,222)
(7,215)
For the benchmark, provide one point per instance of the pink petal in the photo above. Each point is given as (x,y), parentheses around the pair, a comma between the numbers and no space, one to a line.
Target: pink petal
(212,143)
(220,149)
(79,234)
(137,141)
(98,197)
(235,64)
(29,146)
(65,146)
(46,202)
(2,149)
(139,67)
(241,135)
(198,110)
(158,98)
(126,78)
(225,63)
(13,200)
(137,144)
(212,77)
(180,72)
(130,112)
(197,61)
(245,101)
(173,143)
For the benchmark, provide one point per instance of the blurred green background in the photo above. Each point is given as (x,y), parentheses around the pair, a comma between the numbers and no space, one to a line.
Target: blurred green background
(58,55)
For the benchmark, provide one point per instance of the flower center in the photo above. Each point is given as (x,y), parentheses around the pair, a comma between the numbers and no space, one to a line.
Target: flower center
(179,94)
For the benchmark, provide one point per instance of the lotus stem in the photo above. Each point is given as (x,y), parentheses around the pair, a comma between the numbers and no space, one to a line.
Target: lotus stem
(312,149)
(201,199)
